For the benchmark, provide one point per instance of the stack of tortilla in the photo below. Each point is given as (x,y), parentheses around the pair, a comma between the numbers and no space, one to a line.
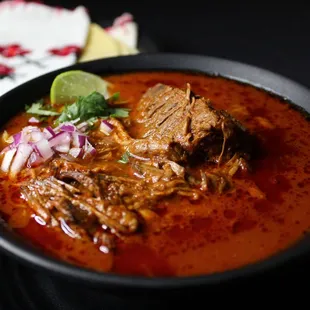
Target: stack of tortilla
(118,40)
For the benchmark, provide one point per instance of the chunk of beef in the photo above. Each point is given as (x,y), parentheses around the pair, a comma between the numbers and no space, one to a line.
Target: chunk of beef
(83,201)
(178,125)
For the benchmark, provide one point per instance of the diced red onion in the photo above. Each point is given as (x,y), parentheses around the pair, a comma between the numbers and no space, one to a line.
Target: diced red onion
(82,140)
(49,132)
(17,138)
(67,127)
(10,147)
(79,140)
(93,151)
(63,148)
(107,123)
(106,127)
(30,129)
(34,120)
(43,149)
(36,136)
(23,152)
(32,146)
(59,139)
(7,159)
(82,126)
(75,139)
(76,152)
(34,160)
(89,149)
(28,133)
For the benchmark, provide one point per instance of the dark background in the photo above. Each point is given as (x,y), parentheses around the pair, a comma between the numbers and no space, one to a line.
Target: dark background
(271,35)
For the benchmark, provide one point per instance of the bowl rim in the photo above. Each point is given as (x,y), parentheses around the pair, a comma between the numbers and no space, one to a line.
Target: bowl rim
(276,84)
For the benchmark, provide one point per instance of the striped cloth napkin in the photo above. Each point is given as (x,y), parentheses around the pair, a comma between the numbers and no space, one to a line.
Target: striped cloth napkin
(36,39)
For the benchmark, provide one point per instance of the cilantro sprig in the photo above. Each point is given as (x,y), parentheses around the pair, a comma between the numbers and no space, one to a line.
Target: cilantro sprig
(125,158)
(85,108)
(38,108)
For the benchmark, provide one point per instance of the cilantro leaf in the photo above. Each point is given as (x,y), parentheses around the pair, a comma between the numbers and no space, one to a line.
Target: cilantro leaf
(69,113)
(88,107)
(92,121)
(84,108)
(114,97)
(124,159)
(118,112)
(38,109)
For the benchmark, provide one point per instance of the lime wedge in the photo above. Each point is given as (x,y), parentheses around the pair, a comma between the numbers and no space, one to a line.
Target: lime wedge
(69,85)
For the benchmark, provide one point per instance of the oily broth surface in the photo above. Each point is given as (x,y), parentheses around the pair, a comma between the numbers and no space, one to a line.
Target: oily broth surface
(219,232)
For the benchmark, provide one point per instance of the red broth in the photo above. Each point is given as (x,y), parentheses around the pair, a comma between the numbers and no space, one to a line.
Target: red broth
(268,210)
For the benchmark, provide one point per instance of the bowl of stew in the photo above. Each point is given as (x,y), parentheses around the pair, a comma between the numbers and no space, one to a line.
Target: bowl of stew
(204,179)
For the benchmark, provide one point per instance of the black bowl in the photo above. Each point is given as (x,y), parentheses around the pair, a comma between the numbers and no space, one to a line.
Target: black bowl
(136,287)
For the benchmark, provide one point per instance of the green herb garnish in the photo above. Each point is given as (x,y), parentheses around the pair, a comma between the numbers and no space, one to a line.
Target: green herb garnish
(118,112)
(37,108)
(84,108)
(88,107)
(114,97)
(124,159)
